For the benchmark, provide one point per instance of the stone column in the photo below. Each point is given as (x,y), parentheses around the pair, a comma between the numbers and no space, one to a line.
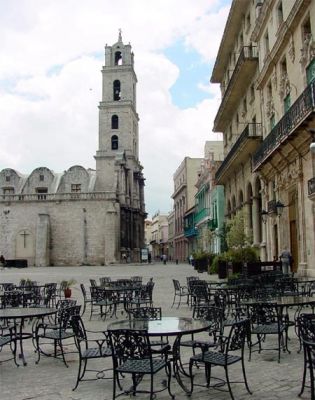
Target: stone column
(256,222)
(42,256)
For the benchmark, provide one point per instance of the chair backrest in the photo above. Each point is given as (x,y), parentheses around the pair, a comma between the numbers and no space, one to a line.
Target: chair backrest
(264,313)
(93,282)
(61,305)
(105,280)
(66,315)
(238,333)
(214,315)
(78,327)
(176,284)
(83,290)
(129,344)
(148,313)
(306,327)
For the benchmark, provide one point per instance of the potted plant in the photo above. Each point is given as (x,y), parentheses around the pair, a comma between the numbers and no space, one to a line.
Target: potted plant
(65,286)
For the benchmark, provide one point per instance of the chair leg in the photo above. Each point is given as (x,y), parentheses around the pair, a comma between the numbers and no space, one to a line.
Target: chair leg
(245,378)
(228,382)
(304,374)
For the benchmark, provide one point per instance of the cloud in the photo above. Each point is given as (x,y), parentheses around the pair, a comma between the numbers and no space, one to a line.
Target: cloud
(50,82)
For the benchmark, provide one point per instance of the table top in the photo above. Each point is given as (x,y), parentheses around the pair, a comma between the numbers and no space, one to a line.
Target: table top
(282,301)
(170,326)
(26,312)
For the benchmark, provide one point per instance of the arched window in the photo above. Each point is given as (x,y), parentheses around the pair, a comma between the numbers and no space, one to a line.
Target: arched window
(116,89)
(114,142)
(118,58)
(115,121)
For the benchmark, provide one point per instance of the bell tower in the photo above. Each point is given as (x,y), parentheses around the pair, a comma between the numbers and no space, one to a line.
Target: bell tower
(118,170)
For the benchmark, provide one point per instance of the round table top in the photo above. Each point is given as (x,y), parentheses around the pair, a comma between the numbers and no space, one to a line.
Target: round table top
(26,312)
(282,301)
(167,326)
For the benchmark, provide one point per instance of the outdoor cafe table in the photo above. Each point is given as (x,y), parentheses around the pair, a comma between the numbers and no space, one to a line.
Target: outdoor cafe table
(167,326)
(19,315)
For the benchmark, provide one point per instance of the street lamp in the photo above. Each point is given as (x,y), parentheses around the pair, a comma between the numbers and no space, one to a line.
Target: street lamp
(312,145)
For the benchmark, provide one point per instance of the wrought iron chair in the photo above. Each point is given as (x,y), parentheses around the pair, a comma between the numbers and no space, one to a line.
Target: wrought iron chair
(132,355)
(56,334)
(215,316)
(89,349)
(86,299)
(8,338)
(306,331)
(103,300)
(268,319)
(179,291)
(229,352)
(105,280)
(151,314)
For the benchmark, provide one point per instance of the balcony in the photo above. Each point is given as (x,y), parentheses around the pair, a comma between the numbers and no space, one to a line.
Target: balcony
(311,188)
(241,76)
(191,231)
(246,144)
(202,215)
(287,127)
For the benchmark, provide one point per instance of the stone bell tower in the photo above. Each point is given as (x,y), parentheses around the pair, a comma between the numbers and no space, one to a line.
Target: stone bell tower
(117,160)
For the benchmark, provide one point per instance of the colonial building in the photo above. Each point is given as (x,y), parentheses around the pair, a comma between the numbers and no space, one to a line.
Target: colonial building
(159,236)
(84,216)
(184,198)
(203,222)
(266,67)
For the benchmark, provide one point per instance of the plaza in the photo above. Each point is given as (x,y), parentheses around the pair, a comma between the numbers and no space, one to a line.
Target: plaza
(51,380)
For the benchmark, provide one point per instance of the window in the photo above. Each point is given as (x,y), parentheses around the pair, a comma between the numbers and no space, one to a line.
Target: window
(118,58)
(287,103)
(310,72)
(8,190)
(116,90)
(252,93)
(266,41)
(41,193)
(41,177)
(7,178)
(76,187)
(114,142)
(280,13)
(115,121)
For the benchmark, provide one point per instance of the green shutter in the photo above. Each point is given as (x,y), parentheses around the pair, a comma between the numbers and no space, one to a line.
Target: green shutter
(310,71)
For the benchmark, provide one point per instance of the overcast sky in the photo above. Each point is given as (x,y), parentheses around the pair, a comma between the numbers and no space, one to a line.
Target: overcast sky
(52,52)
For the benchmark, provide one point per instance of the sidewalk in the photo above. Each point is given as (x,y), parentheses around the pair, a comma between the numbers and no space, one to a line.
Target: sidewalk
(51,380)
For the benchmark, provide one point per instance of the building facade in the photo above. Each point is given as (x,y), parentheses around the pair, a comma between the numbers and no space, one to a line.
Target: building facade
(184,198)
(84,216)
(266,68)
(159,236)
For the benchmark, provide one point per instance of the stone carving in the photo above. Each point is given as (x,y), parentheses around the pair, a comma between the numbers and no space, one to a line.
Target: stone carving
(284,85)
(292,50)
(270,108)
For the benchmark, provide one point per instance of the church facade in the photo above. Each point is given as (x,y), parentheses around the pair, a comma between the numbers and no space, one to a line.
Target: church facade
(84,216)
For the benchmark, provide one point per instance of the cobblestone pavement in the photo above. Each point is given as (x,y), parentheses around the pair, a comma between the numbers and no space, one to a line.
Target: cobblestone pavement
(51,380)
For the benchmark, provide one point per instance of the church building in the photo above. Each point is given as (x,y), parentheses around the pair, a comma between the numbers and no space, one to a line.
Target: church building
(84,216)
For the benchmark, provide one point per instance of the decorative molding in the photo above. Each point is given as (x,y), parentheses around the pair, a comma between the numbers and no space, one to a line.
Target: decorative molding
(270,108)
(292,49)
(285,87)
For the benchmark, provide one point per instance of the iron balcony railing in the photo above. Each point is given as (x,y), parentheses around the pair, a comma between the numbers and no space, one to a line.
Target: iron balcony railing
(202,214)
(311,187)
(300,109)
(251,131)
(192,231)
(247,53)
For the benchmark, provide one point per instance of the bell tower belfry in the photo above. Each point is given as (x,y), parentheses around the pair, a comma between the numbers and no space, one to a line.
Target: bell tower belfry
(118,170)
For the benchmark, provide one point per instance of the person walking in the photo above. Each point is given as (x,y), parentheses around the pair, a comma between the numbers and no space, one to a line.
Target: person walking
(164,259)
(285,258)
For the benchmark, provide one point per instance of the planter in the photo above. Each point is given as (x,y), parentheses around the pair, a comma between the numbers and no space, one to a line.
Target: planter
(201,265)
(67,293)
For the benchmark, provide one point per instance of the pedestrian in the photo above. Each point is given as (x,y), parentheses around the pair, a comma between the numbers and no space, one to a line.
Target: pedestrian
(286,258)
(164,259)
(2,261)
(191,260)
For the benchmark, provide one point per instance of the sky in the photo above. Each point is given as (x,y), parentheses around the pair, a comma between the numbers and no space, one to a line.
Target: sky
(52,52)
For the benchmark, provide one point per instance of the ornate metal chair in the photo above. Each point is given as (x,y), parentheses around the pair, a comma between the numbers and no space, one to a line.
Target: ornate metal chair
(55,333)
(213,314)
(132,355)
(103,300)
(86,299)
(229,352)
(89,349)
(179,291)
(306,331)
(8,338)
(268,319)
